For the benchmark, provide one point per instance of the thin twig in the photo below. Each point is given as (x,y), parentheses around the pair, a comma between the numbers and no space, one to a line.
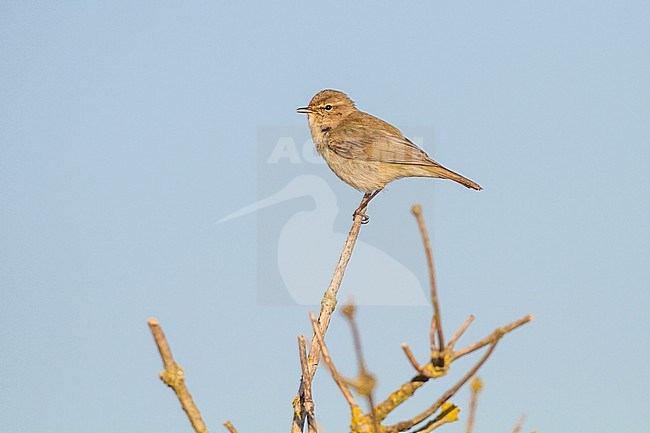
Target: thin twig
(348,312)
(459,333)
(411,357)
(365,383)
(498,333)
(308,403)
(432,334)
(328,304)
(417,211)
(476,387)
(519,424)
(439,420)
(343,386)
(432,426)
(231,428)
(174,377)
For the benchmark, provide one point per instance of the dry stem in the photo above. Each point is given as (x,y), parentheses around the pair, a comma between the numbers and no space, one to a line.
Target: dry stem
(365,382)
(174,377)
(231,428)
(459,333)
(519,424)
(498,333)
(476,387)
(440,420)
(308,403)
(343,386)
(405,425)
(417,211)
(328,304)
(407,389)
(411,358)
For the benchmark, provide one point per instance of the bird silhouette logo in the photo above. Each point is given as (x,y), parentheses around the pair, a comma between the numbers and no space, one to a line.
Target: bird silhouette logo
(308,247)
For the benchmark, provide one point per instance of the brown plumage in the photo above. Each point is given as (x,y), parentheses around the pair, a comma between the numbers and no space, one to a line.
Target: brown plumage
(363,150)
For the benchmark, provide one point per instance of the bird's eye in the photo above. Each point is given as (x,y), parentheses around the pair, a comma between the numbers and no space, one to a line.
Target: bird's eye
(328,107)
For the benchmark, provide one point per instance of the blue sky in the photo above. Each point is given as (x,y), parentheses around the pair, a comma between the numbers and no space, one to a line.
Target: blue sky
(129,128)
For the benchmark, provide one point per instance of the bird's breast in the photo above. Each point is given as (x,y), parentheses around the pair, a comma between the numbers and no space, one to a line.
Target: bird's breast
(319,135)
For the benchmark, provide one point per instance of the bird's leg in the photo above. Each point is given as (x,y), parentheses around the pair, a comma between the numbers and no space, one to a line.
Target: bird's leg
(361,210)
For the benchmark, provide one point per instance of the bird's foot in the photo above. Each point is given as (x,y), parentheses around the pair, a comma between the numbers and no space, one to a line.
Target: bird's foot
(361,210)
(365,219)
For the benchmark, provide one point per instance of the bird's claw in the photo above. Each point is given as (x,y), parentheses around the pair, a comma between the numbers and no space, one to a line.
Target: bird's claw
(365,219)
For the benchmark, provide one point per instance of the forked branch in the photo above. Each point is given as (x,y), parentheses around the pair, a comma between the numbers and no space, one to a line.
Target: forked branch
(405,425)
(496,335)
(328,304)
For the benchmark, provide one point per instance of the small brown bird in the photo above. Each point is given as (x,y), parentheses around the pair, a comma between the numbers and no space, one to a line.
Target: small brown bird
(363,150)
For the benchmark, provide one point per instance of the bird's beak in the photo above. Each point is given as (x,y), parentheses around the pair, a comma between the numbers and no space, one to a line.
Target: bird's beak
(304,110)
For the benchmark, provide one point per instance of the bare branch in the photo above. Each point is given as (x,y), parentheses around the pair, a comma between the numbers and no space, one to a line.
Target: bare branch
(476,387)
(459,333)
(231,428)
(348,312)
(405,425)
(498,333)
(429,371)
(432,426)
(417,211)
(343,386)
(432,334)
(328,304)
(308,403)
(174,377)
(399,396)
(441,357)
(304,366)
(364,383)
(411,357)
(519,424)
(444,417)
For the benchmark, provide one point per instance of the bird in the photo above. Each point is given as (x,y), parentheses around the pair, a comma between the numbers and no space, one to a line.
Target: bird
(365,151)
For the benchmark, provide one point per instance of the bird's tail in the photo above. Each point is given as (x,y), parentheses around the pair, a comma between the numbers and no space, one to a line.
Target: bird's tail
(445,173)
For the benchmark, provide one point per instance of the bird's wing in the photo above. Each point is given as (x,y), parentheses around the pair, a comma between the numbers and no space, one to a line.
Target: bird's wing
(377,144)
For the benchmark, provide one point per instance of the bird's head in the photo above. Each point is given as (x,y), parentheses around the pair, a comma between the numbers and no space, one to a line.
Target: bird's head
(328,107)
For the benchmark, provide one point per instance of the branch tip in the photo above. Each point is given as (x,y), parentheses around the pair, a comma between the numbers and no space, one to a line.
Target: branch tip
(174,377)
(231,428)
